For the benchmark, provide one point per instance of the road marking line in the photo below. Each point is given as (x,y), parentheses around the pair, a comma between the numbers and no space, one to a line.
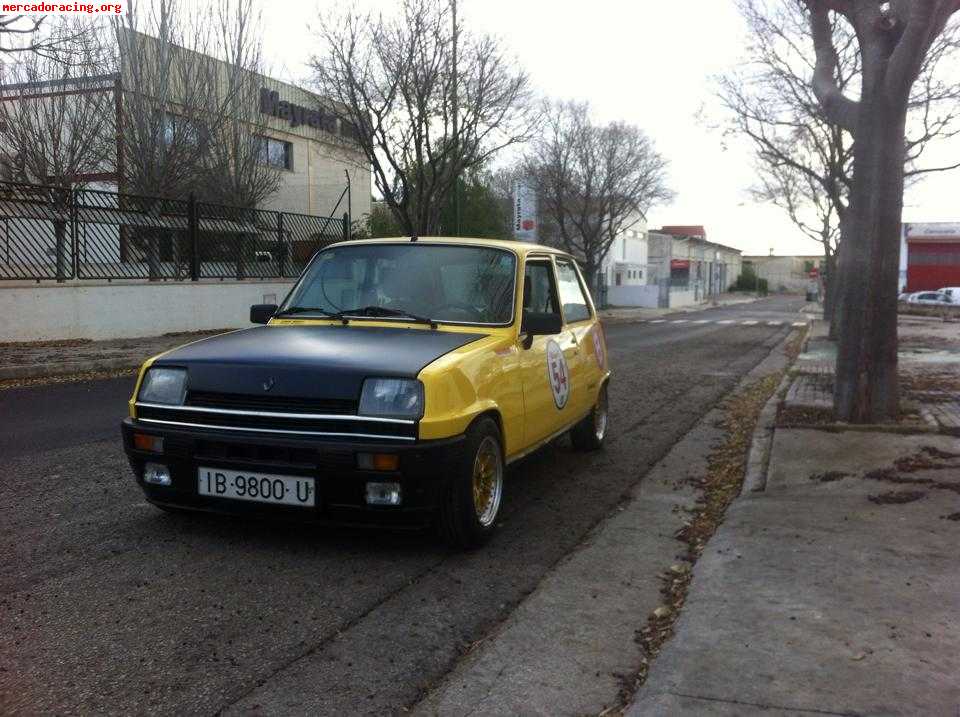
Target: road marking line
(681,321)
(659,321)
(799,323)
(727,322)
(703,321)
(774,323)
(749,323)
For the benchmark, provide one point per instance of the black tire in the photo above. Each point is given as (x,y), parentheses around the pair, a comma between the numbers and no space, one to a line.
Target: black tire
(462,523)
(590,433)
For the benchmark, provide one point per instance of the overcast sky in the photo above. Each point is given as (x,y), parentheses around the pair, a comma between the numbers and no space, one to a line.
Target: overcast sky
(645,62)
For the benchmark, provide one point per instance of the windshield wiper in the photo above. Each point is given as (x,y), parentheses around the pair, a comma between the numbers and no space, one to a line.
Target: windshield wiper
(305,310)
(374,311)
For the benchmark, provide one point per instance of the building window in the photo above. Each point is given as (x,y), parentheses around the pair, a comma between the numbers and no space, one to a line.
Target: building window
(183,132)
(275,152)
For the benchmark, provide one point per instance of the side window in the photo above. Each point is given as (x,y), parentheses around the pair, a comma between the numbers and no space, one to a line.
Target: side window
(539,295)
(574,302)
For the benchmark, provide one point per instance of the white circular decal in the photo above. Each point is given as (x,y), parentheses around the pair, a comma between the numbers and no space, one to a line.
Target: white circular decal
(558,373)
(598,345)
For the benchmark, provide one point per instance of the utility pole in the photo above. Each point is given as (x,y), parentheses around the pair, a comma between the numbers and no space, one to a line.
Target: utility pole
(456,124)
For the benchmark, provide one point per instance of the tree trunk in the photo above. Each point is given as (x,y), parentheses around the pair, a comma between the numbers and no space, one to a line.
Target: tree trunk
(866,388)
(61,248)
(590,277)
(829,284)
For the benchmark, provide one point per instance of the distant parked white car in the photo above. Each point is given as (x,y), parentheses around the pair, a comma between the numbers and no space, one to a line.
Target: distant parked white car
(930,298)
(952,292)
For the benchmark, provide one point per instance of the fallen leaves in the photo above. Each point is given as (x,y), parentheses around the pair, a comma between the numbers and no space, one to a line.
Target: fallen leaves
(726,466)
(897,497)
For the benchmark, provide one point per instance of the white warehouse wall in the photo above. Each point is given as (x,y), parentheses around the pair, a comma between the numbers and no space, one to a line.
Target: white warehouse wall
(126,310)
(643,295)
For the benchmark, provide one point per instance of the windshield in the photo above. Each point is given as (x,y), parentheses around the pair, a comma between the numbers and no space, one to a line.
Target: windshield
(453,284)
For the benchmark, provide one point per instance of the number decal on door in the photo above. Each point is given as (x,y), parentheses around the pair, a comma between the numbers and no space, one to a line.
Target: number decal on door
(598,346)
(558,373)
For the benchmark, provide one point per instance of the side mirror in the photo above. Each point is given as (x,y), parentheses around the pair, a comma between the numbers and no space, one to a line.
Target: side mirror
(537,324)
(262,313)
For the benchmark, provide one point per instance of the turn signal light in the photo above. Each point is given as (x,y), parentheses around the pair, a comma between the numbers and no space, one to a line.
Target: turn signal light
(378,461)
(143,442)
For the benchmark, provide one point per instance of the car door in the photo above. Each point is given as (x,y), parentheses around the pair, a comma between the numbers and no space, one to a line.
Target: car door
(545,409)
(577,339)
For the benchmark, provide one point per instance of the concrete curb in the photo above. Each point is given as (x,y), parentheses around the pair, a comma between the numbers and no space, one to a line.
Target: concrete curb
(758,459)
(67,368)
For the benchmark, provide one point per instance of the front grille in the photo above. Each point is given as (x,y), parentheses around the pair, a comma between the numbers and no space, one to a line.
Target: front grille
(276,404)
(205,450)
(332,426)
(274,423)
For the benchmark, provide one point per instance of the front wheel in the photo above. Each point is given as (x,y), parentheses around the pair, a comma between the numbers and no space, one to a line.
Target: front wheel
(589,434)
(469,510)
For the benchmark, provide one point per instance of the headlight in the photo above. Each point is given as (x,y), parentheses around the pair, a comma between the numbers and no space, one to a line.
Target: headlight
(392,398)
(164,385)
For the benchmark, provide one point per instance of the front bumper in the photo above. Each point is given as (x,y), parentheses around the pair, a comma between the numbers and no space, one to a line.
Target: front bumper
(424,466)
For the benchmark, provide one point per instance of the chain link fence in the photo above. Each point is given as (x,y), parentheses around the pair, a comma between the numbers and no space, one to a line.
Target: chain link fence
(53,233)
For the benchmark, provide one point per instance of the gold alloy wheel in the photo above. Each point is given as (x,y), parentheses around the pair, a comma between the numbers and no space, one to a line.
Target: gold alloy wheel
(487,481)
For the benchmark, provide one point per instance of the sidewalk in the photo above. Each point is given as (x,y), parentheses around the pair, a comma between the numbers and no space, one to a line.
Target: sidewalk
(625,314)
(19,361)
(835,590)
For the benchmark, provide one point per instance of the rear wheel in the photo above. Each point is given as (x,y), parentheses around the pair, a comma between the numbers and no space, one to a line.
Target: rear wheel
(589,434)
(471,504)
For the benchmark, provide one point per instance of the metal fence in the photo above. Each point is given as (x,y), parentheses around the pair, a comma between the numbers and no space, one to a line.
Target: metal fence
(60,234)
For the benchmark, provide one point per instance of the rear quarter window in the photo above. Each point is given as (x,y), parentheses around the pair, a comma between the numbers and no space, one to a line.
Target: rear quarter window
(575,305)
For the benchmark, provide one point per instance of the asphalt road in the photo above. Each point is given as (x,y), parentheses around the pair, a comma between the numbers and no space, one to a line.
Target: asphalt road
(110,606)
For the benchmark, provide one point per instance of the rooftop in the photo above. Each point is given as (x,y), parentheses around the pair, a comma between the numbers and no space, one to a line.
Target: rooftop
(684,230)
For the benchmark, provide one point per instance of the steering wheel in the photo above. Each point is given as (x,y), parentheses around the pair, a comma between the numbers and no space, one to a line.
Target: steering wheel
(472,313)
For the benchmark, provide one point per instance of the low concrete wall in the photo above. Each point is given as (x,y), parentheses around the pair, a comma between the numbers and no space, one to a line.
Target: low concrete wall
(642,295)
(124,310)
(680,297)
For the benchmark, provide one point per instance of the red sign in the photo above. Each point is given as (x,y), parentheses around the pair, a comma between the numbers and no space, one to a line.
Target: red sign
(679,263)
(815,272)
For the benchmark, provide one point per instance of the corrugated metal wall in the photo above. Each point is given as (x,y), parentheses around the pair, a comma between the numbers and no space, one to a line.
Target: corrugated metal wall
(931,265)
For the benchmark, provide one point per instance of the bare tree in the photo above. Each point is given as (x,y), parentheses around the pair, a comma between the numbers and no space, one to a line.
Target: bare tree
(804,161)
(594,181)
(57,115)
(33,34)
(56,118)
(190,86)
(238,172)
(19,33)
(895,40)
(421,118)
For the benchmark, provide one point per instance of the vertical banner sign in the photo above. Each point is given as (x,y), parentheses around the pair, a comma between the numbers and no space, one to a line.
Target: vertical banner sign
(524,212)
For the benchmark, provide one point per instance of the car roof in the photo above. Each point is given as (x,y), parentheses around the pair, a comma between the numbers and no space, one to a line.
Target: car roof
(519,247)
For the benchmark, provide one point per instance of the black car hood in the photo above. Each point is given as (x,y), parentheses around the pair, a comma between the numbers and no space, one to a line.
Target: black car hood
(320,361)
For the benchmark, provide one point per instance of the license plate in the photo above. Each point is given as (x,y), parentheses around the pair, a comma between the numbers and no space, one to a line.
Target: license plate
(259,487)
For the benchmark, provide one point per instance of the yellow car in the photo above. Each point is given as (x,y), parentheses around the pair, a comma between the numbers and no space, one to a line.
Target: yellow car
(393,385)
